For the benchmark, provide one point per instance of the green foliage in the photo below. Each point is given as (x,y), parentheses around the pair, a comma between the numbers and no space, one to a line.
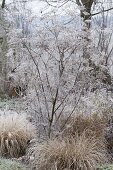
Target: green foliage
(106,167)
(6,164)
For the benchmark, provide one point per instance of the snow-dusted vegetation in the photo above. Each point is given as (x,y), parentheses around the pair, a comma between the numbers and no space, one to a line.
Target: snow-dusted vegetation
(56,84)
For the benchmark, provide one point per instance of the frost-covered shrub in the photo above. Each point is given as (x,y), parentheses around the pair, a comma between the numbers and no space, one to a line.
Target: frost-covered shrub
(8,106)
(99,101)
(6,164)
(15,132)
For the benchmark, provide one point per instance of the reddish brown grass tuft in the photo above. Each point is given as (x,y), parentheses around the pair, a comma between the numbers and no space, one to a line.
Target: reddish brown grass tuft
(15,131)
(75,153)
(94,125)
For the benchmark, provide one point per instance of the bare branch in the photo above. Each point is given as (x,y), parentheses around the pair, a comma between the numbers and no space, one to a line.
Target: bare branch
(106,10)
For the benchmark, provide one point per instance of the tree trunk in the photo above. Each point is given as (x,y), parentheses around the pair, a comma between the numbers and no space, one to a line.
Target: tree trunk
(3,3)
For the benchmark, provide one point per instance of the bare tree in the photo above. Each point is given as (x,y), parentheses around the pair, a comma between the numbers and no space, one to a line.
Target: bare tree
(57,72)
(59,63)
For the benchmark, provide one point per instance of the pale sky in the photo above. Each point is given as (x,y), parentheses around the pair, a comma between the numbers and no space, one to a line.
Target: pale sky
(36,5)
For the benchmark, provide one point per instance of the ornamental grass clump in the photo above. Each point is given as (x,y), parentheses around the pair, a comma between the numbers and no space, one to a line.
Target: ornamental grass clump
(94,125)
(15,132)
(75,153)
